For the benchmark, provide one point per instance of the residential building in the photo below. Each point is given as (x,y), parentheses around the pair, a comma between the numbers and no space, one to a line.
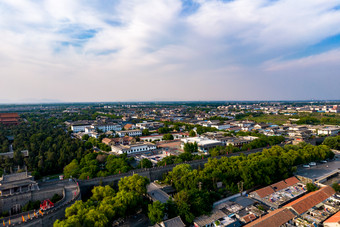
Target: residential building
(133,148)
(132,133)
(329,131)
(204,145)
(333,221)
(277,217)
(173,222)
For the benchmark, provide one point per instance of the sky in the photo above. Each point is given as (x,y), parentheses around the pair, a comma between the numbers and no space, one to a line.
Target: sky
(168,50)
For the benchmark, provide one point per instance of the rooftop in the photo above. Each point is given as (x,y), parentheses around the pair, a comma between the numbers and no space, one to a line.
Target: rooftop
(274,218)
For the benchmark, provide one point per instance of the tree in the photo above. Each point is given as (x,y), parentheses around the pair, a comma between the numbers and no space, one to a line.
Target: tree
(191,147)
(134,183)
(156,212)
(168,137)
(336,187)
(71,169)
(311,187)
(85,137)
(145,132)
(192,133)
(145,163)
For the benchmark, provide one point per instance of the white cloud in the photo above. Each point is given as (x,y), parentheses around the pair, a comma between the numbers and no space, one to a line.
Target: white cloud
(132,49)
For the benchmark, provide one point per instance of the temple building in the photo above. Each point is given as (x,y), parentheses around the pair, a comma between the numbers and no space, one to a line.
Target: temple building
(9,118)
(17,183)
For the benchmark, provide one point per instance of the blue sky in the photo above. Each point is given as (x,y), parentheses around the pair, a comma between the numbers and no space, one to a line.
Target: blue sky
(121,50)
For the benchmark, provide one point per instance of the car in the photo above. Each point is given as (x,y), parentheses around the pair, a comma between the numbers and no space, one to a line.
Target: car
(306,166)
(312,164)
(323,161)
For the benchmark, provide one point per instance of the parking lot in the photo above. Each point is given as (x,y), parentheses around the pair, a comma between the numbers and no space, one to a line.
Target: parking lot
(320,170)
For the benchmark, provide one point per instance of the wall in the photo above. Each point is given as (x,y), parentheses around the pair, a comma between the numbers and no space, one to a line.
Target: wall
(7,202)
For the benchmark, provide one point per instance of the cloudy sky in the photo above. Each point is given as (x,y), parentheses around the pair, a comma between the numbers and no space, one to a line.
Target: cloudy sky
(125,50)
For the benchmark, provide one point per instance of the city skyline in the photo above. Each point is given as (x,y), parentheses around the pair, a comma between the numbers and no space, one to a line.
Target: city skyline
(164,50)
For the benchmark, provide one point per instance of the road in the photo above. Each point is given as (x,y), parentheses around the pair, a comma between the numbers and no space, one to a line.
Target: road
(70,189)
(156,193)
(321,169)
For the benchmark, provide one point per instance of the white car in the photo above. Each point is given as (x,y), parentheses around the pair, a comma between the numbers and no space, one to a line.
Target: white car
(323,161)
(306,166)
(312,164)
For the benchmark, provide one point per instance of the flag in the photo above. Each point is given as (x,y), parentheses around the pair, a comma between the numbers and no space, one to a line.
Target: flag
(41,212)
(9,221)
(23,219)
(35,214)
(3,222)
(28,216)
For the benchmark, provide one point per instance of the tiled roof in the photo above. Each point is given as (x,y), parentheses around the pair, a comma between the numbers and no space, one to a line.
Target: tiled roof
(107,140)
(263,192)
(291,181)
(207,220)
(9,115)
(279,186)
(274,218)
(308,201)
(249,218)
(174,222)
(334,219)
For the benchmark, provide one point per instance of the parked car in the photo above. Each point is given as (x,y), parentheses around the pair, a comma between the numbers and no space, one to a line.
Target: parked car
(306,166)
(312,164)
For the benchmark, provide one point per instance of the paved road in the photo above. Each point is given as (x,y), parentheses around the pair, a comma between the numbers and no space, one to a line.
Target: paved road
(156,193)
(70,189)
(320,170)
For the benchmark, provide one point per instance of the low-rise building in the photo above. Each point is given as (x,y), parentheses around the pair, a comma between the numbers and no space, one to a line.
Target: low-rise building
(329,131)
(204,145)
(131,133)
(133,148)
(333,221)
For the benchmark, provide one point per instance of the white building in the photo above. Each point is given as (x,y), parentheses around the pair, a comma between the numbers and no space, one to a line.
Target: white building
(203,144)
(107,127)
(221,127)
(132,133)
(79,127)
(328,131)
(133,148)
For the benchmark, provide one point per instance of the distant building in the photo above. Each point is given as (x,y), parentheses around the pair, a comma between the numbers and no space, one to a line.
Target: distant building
(132,133)
(106,126)
(126,140)
(9,118)
(79,126)
(203,144)
(328,131)
(133,148)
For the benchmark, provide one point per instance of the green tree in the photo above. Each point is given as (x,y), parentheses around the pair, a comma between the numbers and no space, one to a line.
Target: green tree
(336,187)
(168,137)
(135,183)
(71,169)
(146,132)
(311,187)
(156,212)
(85,137)
(192,133)
(145,163)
